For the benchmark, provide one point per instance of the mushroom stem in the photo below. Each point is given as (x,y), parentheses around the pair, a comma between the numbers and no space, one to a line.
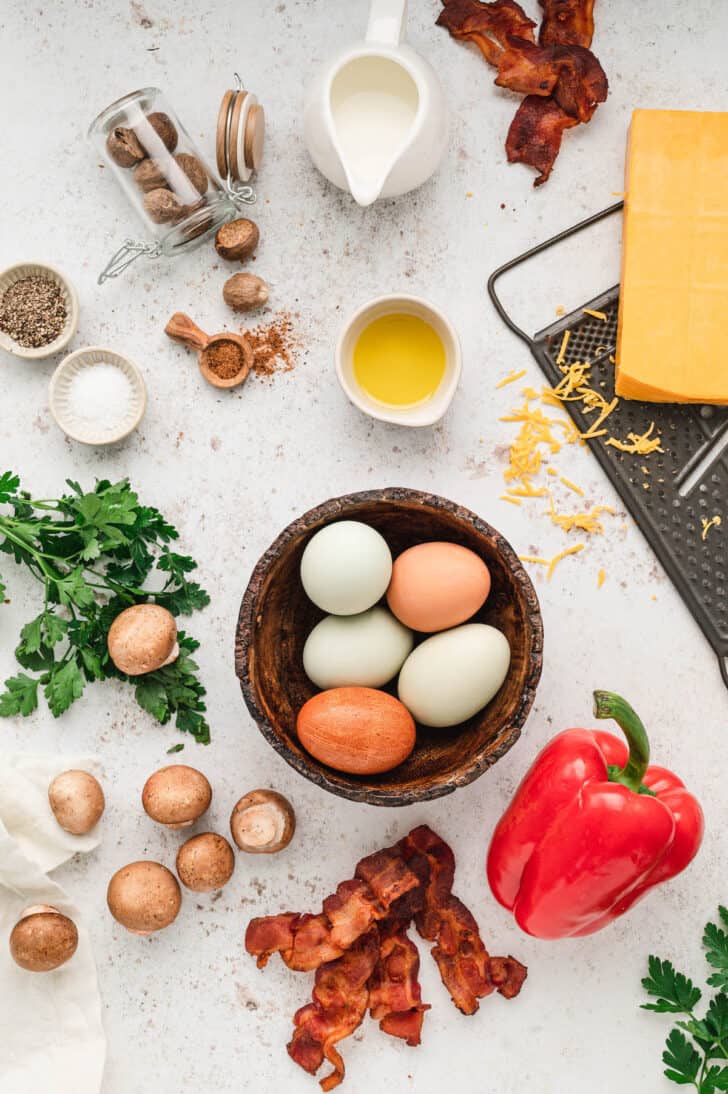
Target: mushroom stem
(263,822)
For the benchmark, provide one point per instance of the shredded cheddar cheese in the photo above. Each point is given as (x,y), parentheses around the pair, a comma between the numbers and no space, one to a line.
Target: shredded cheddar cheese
(552,563)
(638,444)
(510,378)
(564,344)
(506,497)
(571,486)
(561,555)
(714,522)
(601,577)
(585,522)
(595,314)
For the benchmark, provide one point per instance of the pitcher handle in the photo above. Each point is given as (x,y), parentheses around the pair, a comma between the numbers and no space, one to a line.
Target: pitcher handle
(387,20)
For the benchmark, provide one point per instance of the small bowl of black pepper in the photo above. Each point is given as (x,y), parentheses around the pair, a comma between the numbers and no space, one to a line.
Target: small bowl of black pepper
(38,310)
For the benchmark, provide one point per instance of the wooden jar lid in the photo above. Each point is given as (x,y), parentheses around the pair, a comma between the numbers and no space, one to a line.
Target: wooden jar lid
(240,135)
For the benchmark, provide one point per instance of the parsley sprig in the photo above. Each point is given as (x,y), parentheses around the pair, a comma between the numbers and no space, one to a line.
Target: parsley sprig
(93,553)
(689,1059)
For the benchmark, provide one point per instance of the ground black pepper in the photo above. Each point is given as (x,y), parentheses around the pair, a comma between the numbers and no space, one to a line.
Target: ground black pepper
(33,312)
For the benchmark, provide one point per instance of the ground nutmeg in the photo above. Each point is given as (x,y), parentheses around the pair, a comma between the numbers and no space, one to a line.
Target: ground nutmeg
(225,359)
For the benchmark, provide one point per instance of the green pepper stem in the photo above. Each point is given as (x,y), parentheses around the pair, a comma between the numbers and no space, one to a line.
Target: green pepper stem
(609,705)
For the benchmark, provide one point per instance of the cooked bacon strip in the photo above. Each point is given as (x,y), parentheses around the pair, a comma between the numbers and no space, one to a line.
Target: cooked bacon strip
(535,135)
(306,941)
(486,25)
(340,998)
(572,74)
(463,961)
(567,23)
(395,997)
(508,975)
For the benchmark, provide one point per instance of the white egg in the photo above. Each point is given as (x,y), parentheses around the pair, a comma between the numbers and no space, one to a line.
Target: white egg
(454,674)
(365,650)
(346,567)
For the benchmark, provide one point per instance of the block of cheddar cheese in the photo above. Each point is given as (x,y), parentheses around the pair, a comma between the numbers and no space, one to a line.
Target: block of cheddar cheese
(673,313)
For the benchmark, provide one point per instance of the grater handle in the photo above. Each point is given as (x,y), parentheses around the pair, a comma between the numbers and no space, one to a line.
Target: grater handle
(497,303)
(723,662)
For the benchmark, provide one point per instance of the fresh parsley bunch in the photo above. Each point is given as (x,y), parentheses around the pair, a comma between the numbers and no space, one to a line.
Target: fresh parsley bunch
(687,1064)
(92,553)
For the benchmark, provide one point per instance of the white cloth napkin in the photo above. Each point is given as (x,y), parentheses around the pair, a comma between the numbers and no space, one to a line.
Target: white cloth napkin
(51,1036)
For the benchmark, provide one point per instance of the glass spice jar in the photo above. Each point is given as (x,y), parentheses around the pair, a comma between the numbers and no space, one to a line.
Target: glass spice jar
(154,159)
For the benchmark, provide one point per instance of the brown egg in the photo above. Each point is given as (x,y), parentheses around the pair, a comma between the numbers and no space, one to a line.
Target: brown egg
(358,730)
(436,586)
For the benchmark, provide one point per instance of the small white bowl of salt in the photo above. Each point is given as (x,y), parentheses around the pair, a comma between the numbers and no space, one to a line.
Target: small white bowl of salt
(97,396)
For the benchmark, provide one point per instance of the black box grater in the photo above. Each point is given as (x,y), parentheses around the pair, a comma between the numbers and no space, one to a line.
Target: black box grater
(687,483)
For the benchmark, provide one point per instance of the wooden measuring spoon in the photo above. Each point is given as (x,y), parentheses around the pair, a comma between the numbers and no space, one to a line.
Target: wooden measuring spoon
(182,329)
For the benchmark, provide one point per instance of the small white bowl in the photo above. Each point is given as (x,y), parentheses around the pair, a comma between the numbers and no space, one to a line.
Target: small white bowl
(425,413)
(36,269)
(60,403)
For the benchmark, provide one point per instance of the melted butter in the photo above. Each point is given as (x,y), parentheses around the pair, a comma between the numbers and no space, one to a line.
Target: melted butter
(399,360)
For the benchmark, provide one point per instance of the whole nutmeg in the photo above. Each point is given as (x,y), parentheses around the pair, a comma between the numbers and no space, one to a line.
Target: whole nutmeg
(237,240)
(245,292)
(43,939)
(124,147)
(194,170)
(163,207)
(165,129)
(148,175)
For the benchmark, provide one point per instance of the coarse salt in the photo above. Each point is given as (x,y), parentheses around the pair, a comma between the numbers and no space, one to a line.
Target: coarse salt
(100,396)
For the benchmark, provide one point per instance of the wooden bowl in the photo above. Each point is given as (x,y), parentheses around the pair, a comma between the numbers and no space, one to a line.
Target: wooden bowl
(276,617)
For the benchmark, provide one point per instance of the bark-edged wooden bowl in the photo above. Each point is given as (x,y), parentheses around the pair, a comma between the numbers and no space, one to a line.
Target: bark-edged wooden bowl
(276,617)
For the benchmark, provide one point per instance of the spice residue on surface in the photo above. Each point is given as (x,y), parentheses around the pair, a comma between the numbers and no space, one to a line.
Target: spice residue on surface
(100,396)
(33,312)
(274,346)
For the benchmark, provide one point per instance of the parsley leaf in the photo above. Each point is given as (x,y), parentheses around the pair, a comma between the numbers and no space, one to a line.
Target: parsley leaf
(715,941)
(682,1060)
(20,696)
(675,993)
(716,1078)
(64,686)
(93,552)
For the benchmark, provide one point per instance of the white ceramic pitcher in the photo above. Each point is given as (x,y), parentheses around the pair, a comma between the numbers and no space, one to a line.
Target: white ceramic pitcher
(375,120)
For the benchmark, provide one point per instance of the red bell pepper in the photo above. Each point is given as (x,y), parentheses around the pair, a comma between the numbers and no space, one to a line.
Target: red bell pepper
(591,829)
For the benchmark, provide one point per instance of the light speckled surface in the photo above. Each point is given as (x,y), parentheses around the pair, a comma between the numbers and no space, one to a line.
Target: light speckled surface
(187,1010)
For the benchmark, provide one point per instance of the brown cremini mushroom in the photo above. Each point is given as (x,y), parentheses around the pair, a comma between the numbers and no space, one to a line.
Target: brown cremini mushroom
(144,897)
(142,639)
(77,801)
(263,822)
(205,862)
(43,939)
(176,796)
